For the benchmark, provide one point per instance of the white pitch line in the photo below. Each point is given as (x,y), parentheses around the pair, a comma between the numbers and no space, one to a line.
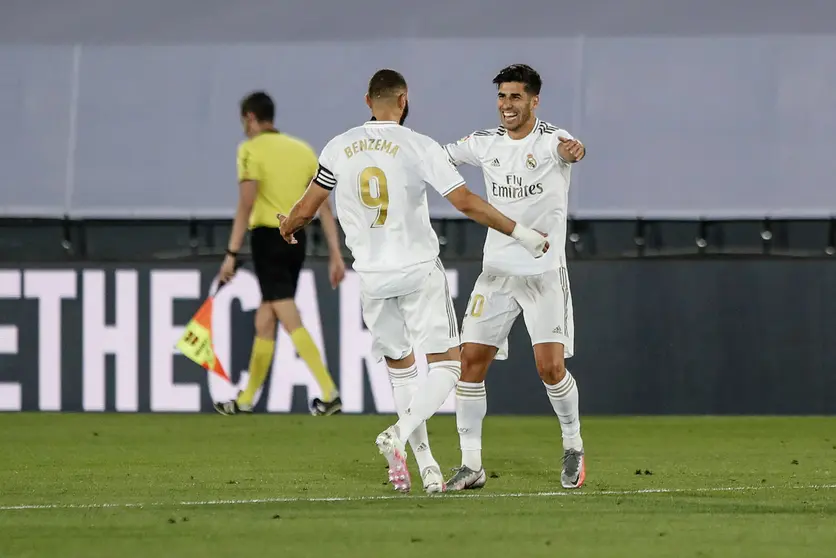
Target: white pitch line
(479,495)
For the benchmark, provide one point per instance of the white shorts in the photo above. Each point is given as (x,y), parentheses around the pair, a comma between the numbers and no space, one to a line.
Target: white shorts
(424,320)
(545,301)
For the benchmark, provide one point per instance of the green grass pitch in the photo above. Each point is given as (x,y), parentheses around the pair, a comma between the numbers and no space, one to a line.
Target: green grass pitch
(124,486)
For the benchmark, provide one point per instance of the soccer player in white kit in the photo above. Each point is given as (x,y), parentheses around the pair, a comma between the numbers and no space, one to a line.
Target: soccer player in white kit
(527,165)
(379,173)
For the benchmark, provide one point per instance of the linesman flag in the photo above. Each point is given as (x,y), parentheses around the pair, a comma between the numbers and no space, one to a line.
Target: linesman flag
(196,343)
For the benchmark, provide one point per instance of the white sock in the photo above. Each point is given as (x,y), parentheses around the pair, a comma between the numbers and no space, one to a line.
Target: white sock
(471,408)
(404,385)
(440,381)
(564,398)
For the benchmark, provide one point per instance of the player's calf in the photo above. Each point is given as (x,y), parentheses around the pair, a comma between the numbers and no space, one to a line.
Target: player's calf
(564,399)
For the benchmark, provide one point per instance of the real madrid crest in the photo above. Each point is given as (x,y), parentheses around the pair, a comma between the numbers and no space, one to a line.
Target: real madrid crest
(530,162)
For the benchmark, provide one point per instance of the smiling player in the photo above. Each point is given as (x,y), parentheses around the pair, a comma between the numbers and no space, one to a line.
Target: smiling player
(526,165)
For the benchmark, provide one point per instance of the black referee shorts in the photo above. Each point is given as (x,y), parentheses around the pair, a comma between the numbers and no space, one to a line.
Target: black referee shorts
(277,264)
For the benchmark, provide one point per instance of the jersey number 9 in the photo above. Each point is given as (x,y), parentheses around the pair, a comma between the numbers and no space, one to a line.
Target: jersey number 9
(375,194)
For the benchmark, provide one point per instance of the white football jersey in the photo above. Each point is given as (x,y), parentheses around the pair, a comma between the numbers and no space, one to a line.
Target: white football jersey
(379,173)
(528,181)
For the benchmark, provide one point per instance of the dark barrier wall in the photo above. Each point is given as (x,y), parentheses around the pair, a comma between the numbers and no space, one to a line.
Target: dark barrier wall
(716,337)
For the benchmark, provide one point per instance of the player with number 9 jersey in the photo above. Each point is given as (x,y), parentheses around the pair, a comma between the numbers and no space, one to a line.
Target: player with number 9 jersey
(383,171)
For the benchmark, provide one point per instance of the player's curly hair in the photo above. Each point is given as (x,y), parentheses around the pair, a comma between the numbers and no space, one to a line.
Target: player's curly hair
(520,73)
(386,83)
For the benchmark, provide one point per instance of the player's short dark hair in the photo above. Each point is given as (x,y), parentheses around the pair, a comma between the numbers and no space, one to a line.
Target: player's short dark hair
(260,105)
(386,83)
(520,73)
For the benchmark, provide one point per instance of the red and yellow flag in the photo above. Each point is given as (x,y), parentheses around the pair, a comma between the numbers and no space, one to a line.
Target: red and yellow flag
(196,343)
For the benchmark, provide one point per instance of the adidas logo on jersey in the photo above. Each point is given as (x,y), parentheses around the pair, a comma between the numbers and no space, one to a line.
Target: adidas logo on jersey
(495,163)
(557,330)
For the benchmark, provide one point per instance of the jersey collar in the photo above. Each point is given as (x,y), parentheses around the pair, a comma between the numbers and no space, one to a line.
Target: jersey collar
(534,129)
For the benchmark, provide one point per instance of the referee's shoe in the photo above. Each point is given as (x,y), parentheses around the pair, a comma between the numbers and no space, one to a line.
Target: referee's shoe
(320,408)
(232,407)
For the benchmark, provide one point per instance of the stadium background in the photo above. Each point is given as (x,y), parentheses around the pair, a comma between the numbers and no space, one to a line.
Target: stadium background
(703,224)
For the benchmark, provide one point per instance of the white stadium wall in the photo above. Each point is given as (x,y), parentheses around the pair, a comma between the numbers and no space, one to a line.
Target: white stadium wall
(118,113)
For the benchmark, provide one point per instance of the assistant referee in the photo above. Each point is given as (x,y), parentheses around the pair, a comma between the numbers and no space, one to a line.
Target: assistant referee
(274,170)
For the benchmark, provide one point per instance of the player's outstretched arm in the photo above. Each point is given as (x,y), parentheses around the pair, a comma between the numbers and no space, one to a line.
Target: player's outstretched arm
(480,211)
(304,211)
(485,214)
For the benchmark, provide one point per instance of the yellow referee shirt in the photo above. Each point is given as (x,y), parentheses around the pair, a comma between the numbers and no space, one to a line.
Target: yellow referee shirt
(283,166)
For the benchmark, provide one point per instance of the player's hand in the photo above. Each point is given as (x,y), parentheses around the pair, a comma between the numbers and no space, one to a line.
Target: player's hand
(227,269)
(570,149)
(289,238)
(336,270)
(535,242)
